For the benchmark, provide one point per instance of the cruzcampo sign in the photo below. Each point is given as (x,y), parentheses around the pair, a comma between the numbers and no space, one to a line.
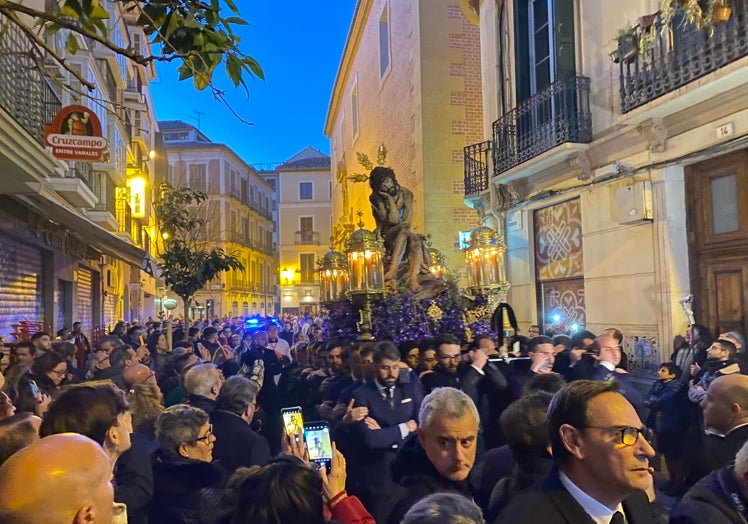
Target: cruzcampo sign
(75,134)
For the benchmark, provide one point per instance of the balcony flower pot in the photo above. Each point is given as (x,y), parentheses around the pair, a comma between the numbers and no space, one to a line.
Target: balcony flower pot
(722,13)
(628,45)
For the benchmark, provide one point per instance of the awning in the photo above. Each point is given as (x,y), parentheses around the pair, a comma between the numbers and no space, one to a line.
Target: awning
(50,205)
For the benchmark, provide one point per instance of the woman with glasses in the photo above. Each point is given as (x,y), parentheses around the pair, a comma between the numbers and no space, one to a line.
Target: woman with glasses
(41,383)
(187,486)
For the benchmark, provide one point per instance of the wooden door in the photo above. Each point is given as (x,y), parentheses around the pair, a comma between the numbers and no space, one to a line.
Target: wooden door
(717,211)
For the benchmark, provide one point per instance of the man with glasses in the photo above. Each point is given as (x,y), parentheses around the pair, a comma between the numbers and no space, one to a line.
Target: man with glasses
(472,375)
(601,456)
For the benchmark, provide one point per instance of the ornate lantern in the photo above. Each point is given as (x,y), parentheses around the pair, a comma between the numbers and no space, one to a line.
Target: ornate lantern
(365,250)
(333,275)
(437,261)
(484,259)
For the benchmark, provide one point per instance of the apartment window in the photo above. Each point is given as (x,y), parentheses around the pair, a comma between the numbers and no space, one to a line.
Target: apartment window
(197,178)
(305,191)
(354,110)
(384,41)
(306,263)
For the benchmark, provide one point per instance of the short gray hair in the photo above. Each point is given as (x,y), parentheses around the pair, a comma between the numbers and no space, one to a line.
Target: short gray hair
(446,402)
(236,394)
(177,425)
(444,508)
(200,379)
(741,461)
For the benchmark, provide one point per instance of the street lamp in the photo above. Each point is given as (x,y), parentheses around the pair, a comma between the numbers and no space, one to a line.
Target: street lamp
(287,275)
(484,259)
(365,250)
(333,275)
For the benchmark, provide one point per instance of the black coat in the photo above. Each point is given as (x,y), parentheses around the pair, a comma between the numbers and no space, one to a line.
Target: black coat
(206,404)
(718,452)
(711,500)
(133,479)
(236,444)
(186,491)
(550,503)
(417,478)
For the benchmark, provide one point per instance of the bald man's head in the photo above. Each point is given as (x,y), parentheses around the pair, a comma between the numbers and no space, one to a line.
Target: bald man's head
(63,478)
(725,405)
(138,373)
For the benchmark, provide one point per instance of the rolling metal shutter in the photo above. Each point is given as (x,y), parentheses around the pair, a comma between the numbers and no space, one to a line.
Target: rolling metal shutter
(20,284)
(84,300)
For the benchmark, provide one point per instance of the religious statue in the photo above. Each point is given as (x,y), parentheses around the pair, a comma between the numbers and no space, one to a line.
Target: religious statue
(392,207)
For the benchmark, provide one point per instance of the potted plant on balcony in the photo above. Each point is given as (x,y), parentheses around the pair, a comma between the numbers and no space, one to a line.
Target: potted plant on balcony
(628,45)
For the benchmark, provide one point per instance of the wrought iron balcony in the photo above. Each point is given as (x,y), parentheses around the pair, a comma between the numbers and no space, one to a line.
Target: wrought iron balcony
(556,115)
(24,94)
(306,237)
(675,56)
(124,216)
(477,167)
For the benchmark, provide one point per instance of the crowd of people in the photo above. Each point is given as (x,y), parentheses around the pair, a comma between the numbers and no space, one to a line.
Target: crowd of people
(134,429)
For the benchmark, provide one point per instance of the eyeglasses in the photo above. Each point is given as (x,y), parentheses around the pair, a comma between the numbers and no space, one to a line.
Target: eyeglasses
(59,373)
(207,436)
(629,434)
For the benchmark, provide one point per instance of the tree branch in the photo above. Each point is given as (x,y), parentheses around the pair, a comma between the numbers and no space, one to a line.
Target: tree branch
(13,17)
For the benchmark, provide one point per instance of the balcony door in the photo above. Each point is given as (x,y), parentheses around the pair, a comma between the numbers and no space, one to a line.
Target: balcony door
(544,46)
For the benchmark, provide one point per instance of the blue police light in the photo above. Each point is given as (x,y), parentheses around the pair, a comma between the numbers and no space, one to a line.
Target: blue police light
(252,322)
(574,327)
(556,318)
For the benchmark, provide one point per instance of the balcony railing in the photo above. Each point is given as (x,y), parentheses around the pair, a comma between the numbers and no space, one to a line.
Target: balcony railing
(556,115)
(124,217)
(680,55)
(238,238)
(476,167)
(24,94)
(306,237)
(83,171)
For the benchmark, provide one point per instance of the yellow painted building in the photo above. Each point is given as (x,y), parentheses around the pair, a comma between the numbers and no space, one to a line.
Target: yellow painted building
(238,219)
(409,79)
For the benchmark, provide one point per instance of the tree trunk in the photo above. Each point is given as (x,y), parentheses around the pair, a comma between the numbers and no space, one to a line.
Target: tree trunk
(186,301)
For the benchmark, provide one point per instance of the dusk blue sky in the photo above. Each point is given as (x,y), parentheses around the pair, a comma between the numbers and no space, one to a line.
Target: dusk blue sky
(299,46)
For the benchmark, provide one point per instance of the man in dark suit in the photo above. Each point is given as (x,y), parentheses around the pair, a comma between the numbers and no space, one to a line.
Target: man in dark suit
(725,409)
(601,462)
(236,444)
(607,352)
(392,416)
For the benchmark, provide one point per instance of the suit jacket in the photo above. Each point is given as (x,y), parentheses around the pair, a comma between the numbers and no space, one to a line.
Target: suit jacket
(236,444)
(374,450)
(550,503)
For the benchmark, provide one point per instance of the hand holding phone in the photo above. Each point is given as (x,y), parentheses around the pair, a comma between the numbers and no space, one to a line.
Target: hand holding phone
(318,443)
(334,481)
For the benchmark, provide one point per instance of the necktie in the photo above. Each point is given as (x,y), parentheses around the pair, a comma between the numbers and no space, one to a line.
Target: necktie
(618,518)
(388,394)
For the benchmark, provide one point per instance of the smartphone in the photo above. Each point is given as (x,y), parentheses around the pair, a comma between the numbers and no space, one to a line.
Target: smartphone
(141,340)
(403,375)
(34,388)
(293,420)
(318,443)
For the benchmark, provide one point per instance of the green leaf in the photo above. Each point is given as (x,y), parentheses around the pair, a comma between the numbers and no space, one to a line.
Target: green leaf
(68,10)
(98,13)
(72,44)
(235,20)
(234,69)
(232,6)
(254,67)
(184,71)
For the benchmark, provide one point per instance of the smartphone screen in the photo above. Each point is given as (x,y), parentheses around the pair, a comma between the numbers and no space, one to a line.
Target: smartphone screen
(293,421)
(318,443)
(34,388)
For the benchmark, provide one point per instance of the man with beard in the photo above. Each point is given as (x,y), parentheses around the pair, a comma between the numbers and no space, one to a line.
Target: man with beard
(475,376)
(392,207)
(392,417)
